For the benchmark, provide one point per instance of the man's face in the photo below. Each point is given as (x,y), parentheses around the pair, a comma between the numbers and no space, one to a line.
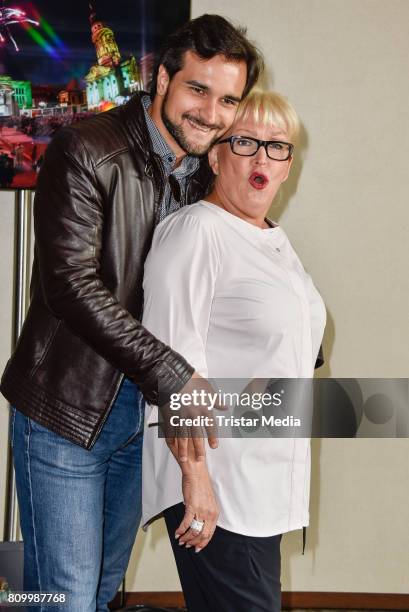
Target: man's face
(200,101)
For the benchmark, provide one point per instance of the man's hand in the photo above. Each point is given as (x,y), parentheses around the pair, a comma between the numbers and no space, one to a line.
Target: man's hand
(181,440)
(200,503)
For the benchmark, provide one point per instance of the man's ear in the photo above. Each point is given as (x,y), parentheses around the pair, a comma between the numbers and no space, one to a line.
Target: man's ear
(213,160)
(162,81)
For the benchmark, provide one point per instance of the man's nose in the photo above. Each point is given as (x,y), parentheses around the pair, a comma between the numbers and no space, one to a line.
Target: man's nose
(208,111)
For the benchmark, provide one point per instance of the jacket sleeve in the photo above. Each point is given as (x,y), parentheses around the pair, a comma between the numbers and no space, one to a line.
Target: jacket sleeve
(68,221)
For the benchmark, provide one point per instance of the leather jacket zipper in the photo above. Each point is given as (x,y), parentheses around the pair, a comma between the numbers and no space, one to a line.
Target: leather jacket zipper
(107,413)
(159,192)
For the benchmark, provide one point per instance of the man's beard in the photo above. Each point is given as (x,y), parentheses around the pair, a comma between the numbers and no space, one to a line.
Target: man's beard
(179,135)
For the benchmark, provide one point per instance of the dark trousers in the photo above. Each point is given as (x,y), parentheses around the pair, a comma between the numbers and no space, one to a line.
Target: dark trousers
(234,573)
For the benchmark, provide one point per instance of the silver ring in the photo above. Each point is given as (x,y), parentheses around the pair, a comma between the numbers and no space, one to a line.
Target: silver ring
(197,525)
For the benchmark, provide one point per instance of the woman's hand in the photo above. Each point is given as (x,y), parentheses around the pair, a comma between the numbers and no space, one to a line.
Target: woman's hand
(200,503)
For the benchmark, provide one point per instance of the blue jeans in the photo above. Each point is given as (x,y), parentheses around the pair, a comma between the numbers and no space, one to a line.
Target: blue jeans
(80,509)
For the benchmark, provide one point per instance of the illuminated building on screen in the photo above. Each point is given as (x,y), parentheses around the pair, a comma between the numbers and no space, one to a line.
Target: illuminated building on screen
(45,95)
(14,95)
(72,95)
(111,80)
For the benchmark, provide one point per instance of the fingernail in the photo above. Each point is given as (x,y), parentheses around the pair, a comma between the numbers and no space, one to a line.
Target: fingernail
(197,550)
(177,535)
(181,543)
(188,546)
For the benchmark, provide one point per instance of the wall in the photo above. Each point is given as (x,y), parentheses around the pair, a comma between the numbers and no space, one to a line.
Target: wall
(6,284)
(343,64)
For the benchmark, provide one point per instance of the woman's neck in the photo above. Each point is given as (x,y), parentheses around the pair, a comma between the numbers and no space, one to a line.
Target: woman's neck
(215,198)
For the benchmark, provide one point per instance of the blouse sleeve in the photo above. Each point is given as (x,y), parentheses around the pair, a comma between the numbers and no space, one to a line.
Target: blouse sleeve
(179,283)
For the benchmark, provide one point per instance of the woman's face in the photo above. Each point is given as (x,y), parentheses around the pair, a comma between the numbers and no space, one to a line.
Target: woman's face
(246,186)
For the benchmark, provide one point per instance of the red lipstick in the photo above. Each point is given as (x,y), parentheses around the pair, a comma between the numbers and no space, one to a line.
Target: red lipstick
(258,180)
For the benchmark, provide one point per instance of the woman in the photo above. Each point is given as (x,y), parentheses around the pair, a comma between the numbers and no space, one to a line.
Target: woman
(236,302)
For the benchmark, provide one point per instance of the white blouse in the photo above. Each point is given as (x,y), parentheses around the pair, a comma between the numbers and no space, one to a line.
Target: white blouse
(236,302)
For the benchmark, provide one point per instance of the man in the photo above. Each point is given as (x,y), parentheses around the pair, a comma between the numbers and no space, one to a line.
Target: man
(83,357)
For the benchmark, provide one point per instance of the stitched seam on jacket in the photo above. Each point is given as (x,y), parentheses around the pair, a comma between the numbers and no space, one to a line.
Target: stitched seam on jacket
(107,158)
(58,416)
(45,394)
(45,351)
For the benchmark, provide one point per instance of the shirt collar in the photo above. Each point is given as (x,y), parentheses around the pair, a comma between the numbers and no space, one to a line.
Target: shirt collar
(188,165)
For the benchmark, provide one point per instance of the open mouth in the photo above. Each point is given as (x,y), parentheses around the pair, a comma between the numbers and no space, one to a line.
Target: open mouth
(258,180)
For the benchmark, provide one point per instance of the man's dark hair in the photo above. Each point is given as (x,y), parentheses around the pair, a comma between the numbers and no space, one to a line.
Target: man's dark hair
(207,36)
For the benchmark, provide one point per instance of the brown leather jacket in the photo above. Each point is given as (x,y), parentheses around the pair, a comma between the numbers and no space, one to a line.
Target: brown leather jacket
(95,210)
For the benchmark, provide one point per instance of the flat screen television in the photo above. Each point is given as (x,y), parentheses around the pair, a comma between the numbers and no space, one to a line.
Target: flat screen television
(62,61)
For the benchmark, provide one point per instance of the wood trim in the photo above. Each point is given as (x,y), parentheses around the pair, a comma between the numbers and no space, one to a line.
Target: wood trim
(345,601)
(164,599)
(290,600)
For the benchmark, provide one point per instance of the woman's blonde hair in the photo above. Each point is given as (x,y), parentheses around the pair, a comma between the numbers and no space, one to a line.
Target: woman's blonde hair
(269,108)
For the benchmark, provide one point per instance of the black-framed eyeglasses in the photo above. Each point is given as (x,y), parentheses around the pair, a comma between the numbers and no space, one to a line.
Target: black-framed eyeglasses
(247,146)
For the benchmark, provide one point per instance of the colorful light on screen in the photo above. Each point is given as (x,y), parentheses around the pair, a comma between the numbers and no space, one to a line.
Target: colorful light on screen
(36,26)
(47,28)
(40,40)
(12,16)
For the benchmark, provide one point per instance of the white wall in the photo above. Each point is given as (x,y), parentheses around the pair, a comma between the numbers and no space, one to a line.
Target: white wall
(6,284)
(7,276)
(343,64)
